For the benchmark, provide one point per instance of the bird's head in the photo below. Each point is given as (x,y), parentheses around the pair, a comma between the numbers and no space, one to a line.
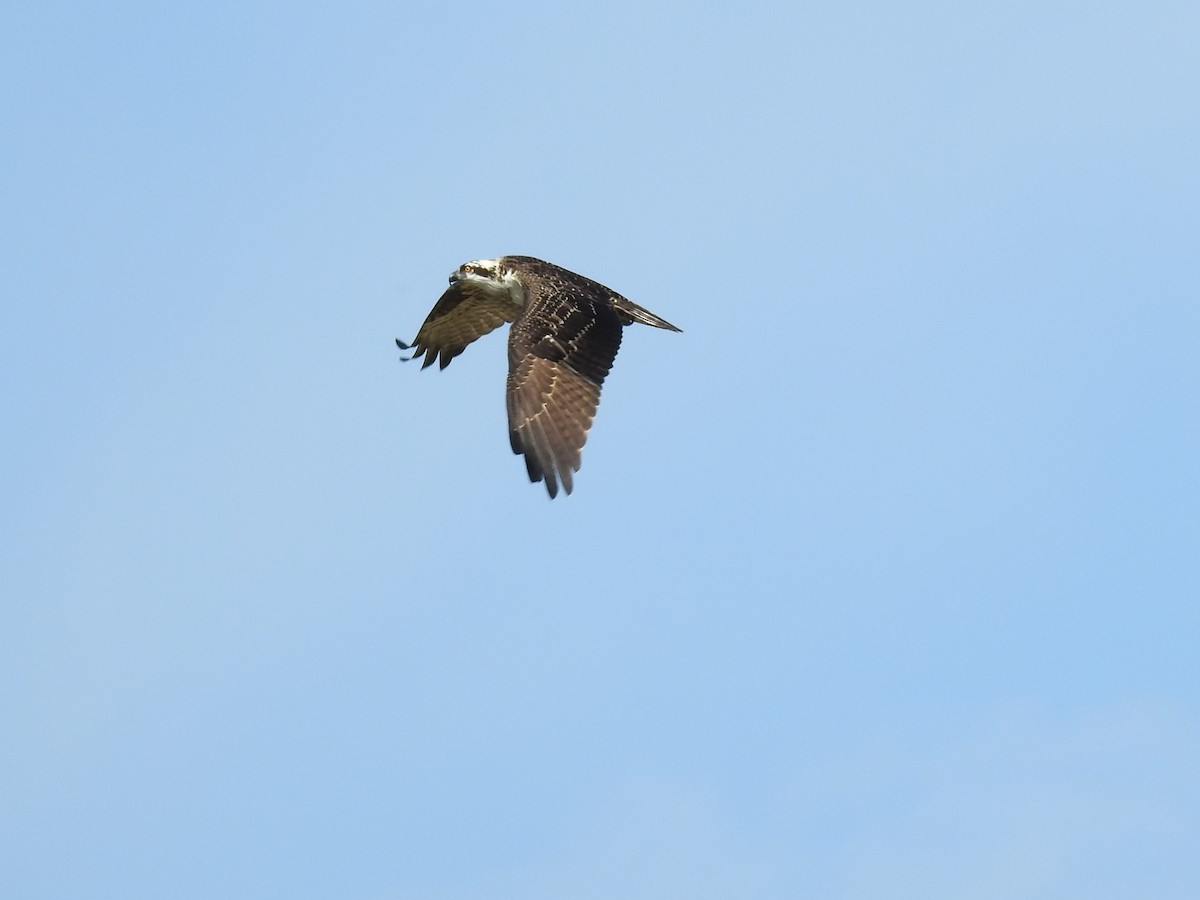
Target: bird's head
(478,269)
(491,276)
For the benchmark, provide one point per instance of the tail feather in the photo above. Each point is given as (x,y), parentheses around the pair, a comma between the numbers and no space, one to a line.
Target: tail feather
(641,314)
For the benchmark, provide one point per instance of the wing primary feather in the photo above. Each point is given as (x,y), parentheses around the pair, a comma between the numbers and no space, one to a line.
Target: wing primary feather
(543,449)
(417,353)
(531,466)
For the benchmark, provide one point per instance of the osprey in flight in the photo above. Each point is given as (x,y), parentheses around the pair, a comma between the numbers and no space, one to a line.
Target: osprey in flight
(565,334)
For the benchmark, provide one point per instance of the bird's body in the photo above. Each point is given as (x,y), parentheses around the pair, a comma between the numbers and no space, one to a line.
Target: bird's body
(566,330)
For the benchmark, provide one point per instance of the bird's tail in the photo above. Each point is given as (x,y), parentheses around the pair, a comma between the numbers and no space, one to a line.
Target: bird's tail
(641,314)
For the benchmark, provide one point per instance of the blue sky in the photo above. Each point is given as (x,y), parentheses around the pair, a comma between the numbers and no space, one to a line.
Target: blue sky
(880,580)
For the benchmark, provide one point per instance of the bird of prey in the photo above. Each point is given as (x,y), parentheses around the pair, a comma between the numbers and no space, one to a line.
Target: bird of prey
(565,334)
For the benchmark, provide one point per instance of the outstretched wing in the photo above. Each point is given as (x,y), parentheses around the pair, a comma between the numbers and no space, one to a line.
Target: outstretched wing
(466,311)
(559,354)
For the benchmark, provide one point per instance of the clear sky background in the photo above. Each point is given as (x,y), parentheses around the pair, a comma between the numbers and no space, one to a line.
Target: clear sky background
(879,581)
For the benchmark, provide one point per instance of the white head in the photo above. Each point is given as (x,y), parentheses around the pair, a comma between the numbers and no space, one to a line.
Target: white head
(491,276)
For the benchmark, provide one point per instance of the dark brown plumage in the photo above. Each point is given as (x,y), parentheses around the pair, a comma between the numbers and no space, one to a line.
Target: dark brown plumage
(565,335)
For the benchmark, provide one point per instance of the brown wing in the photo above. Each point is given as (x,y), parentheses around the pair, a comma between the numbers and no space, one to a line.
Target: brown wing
(559,353)
(465,312)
